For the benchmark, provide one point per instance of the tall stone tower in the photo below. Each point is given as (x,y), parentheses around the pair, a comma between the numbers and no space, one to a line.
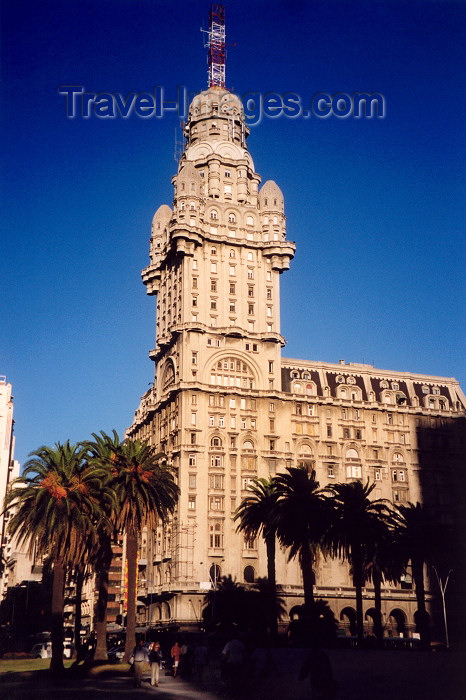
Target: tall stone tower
(215,265)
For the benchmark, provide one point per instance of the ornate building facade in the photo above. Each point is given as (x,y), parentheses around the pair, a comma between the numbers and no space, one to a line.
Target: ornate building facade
(227,408)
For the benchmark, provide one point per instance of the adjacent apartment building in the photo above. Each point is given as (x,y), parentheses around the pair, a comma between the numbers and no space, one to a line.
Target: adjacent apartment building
(226,407)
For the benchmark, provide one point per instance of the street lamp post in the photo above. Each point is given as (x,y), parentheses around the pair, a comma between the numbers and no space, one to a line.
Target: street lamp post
(443,588)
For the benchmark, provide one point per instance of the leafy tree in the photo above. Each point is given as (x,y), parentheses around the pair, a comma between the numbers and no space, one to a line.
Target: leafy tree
(256,515)
(301,517)
(354,531)
(56,503)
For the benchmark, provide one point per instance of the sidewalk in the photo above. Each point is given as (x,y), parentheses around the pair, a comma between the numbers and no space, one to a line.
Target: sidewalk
(362,675)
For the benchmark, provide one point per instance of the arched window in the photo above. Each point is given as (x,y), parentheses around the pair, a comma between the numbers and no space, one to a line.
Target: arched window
(352,454)
(231,218)
(216,441)
(213,214)
(249,221)
(249,574)
(250,256)
(232,253)
(247,445)
(231,371)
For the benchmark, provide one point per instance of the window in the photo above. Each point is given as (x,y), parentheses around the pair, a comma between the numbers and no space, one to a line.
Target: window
(232,270)
(269,293)
(216,461)
(250,273)
(270,365)
(249,221)
(344,413)
(250,290)
(358,435)
(194,282)
(353,472)
(377,475)
(269,311)
(192,481)
(194,358)
(213,214)
(271,407)
(330,471)
(213,304)
(232,306)
(329,431)
(232,288)
(191,502)
(211,421)
(194,301)
(215,535)
(272,445)
(213,285)
(251,309)
(272,425)
(192,460)
(221,421)
(193,419)
(253,423)
(216,503)
(216,442)
(299,409)
(216,481)
(346,433)
(213,267)
(233,422)
(193,438)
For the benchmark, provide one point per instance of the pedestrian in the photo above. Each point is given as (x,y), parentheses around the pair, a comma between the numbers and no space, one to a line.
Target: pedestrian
(200,660)
(138,658)
(155,660)
(234,655)
(175,653)
(318,668)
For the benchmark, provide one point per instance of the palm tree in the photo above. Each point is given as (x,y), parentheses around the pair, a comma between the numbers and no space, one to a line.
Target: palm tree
(355,528)
(301,516)
(56,505)
(256,515)
(102,452)
(146,492)
(420,539)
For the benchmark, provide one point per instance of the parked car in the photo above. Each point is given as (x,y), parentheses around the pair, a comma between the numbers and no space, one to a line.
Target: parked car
(115,654)
(42,650)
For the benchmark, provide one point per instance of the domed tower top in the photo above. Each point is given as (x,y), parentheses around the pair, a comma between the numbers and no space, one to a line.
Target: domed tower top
(216,115)
(271,197)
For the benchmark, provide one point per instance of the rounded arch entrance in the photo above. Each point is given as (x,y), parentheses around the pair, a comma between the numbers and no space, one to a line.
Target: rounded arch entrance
(397,623)
(348,620)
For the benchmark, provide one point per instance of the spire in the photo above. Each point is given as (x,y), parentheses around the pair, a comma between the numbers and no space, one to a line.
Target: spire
(216,45)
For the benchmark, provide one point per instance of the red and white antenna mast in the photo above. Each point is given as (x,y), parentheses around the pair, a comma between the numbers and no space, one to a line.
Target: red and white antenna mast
(216,45)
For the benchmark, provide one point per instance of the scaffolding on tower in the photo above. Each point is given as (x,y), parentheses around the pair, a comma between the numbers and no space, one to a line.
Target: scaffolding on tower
(216,45)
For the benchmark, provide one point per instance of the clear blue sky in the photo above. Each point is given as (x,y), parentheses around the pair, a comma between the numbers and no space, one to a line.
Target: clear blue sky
(376,207)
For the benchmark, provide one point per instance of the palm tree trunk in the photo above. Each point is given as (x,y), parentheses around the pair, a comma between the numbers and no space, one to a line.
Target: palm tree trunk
(56,624)
(307,568)
(358,582)
(422,618)
(272,585)
(78,613)
(377,581)
(131,558)
(101,616)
